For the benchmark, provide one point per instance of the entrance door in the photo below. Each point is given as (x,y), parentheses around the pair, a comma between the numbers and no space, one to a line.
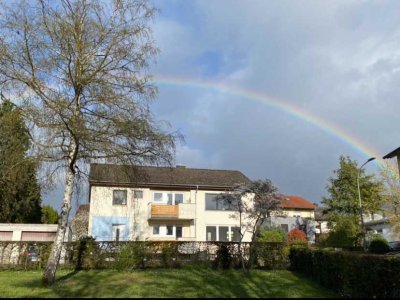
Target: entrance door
(118,232)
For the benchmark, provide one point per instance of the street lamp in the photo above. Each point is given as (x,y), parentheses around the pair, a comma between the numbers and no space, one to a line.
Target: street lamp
(359,200)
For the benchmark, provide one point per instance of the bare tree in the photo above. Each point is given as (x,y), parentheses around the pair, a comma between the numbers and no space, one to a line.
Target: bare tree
(253,203)
(78,71)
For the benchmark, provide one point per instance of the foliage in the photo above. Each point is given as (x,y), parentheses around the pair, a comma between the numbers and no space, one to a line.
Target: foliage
(131,256)
(19,190)
(272,234)
(49,215)
(379,245)
(224,257)
(273,255)
(350,274)
(343,201)
(80,223)
(297,237)
(253,203)
(391,207)
(345,235)
(88,254)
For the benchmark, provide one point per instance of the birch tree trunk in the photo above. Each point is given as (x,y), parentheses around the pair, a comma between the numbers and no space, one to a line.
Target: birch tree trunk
(49,275)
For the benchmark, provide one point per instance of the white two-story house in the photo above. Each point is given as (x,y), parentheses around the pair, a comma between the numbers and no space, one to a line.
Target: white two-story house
(161,203)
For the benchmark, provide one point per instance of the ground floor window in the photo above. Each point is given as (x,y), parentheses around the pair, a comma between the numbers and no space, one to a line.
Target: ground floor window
(223,233)
(167,230)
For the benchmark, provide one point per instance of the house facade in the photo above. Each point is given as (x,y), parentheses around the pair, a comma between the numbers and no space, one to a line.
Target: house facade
(162,203)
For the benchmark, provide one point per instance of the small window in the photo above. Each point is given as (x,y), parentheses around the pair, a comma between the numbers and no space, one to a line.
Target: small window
(170,230)
(156,229)
(285,227)
(138,194)
(119,197)
(178,231)
(211,202)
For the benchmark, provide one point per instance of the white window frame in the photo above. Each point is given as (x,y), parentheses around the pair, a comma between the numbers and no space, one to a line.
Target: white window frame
(163,230)
(165,197)
(230,231)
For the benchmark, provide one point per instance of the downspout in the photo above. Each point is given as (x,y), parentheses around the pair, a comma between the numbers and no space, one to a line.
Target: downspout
(195,213)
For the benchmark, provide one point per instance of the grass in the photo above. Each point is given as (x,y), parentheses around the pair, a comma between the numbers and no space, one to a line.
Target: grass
(193,282)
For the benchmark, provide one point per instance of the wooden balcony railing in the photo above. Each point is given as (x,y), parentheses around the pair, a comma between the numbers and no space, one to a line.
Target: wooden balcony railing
(164,211)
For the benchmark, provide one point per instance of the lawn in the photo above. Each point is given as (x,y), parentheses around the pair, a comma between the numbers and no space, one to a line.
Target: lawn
(199,282)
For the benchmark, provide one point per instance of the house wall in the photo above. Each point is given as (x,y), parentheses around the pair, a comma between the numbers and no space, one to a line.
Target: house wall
(303,213)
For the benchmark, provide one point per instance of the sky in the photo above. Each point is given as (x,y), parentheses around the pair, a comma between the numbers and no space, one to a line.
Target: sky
(278,89)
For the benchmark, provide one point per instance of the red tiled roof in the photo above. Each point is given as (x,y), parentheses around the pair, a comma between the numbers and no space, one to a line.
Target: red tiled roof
(296,202)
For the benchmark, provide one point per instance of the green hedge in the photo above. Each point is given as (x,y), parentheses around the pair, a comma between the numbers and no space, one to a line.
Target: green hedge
(349,274)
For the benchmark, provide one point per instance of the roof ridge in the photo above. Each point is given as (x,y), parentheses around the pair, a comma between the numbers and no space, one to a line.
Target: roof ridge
(164,167)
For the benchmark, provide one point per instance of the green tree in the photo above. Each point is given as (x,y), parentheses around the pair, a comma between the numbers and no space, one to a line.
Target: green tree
(80,68)
(19,190)
(343,202)
(50,215)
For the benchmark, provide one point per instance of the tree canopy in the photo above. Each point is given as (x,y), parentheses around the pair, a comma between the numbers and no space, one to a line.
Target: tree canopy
(50,215)
(343,201)
(19,190)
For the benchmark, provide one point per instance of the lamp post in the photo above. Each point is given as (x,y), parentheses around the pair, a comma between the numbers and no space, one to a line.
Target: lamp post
(359,200)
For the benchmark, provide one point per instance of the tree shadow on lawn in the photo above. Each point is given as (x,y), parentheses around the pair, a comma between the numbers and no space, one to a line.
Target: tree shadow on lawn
(186,282)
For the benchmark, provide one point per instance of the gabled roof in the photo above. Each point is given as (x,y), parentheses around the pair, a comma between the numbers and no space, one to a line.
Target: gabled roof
(297,203)
(109,174)
(392,154)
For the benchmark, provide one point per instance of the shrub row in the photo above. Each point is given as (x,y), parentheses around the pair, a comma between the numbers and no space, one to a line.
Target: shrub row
(349,274)
(90,254)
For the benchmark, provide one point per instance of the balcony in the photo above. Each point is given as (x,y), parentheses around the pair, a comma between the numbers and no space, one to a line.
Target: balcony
(182,211)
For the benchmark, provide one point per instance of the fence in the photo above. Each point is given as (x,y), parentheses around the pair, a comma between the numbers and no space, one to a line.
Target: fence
(89,254)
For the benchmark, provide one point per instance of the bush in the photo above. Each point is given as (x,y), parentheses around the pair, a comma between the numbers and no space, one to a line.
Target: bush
(272,235)
(349,274)
(297,237)
(379,245)
(273,256)
(224,257)
(131,256)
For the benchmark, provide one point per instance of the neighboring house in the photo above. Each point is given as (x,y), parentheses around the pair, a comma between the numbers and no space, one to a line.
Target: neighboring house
(296,212)
(163,203)
(394,153)
(321,221)
(29,232)
(80,223)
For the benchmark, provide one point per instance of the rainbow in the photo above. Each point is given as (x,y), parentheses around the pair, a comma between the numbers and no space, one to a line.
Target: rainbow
(278,104)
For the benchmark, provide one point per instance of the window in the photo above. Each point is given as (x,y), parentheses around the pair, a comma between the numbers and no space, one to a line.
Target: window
(211,233)
(178,231)
(170,230)
(285,227)
(158,197)
(119,197)
(156,229)
(223,233)
(138,194)
(236,234)
(212,203)
(178,198)
(168,198)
